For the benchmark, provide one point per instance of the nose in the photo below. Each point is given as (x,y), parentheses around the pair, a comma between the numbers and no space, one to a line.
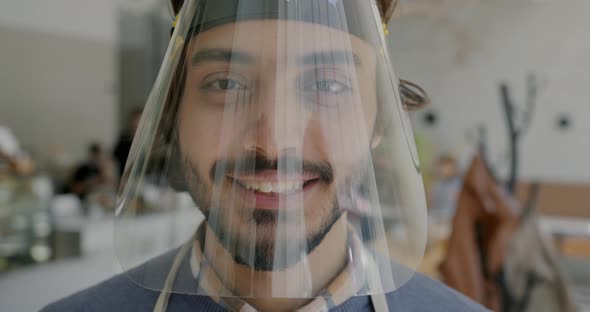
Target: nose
(275,127)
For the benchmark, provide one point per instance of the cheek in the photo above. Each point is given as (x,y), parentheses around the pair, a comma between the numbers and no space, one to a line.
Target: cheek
(346,134)
(344,138)
(199,135)
(344,156)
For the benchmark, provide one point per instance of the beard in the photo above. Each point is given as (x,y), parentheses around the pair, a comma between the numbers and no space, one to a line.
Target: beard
(260,238)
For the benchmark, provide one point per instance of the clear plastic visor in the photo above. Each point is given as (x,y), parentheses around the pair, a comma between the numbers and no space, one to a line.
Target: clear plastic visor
(274,158)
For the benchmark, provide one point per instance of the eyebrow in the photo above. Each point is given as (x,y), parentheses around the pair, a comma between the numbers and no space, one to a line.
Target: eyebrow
(333,57)
(221,55)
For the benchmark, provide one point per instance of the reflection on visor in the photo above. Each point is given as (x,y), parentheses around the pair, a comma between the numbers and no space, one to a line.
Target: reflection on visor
(277,142)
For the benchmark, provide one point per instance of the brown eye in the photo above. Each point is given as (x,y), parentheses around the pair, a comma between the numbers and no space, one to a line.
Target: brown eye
(224,85)
(328,86)
(224,82)
(325,82)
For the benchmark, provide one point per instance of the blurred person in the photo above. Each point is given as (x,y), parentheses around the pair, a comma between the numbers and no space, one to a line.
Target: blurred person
(270,112)
(446,188)
(95,173)
(123,145)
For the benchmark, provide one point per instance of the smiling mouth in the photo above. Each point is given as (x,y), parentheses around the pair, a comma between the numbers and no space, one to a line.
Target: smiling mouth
(269,190)
(270,184)
(279,188)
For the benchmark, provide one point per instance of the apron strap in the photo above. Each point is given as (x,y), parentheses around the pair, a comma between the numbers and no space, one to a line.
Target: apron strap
(164,297)
(379,303)
(378,300)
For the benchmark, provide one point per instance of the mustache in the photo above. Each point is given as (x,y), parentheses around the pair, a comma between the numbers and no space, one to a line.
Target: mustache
(252,163)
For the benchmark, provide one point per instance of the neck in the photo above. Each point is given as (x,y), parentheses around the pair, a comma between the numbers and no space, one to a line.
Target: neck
(272,290)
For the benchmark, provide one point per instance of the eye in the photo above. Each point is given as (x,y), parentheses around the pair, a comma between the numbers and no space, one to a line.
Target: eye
(225,84)
(329,86)
(326,82)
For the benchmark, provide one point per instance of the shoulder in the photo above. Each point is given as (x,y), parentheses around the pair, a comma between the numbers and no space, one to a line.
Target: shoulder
(421,293)
(122,293)
(116,294)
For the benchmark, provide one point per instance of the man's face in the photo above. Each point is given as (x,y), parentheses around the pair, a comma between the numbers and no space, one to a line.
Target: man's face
(276,122)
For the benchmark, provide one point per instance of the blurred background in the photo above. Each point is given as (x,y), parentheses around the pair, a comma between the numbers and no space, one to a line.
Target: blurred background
(508,86)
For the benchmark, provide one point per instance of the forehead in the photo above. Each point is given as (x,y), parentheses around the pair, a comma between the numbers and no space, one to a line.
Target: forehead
(282,40)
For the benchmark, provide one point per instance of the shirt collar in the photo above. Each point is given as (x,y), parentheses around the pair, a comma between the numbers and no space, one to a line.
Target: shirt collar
(348,283)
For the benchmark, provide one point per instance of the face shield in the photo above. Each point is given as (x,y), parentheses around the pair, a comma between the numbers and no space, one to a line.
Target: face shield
(274,157)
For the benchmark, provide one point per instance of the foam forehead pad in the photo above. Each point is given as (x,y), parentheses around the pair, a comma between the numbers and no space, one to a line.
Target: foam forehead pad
(353,16)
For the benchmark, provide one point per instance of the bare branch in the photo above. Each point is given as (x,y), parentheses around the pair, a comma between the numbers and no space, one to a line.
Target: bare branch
(530,104)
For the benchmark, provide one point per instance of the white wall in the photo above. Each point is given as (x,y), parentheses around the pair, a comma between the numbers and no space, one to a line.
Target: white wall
(94,20)
(87,19)
(504,40)
(55,89)
(59,71)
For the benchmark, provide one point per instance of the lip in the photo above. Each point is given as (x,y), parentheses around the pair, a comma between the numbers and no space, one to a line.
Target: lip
(273,201)
(274,176)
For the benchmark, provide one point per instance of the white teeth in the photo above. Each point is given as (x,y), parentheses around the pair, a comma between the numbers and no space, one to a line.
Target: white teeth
(266,187)
(273,187)
(251,186)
